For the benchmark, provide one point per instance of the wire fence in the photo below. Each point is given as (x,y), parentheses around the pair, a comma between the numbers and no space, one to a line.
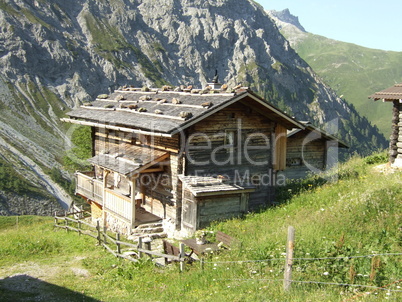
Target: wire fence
(342,270)
(309,259)
(316,282)
(275,266)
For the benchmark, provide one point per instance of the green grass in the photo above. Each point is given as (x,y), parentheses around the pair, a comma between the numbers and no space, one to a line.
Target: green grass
(360,214)
(32,238)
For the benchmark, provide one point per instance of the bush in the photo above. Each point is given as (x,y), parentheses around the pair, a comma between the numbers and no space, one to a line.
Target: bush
(377,158)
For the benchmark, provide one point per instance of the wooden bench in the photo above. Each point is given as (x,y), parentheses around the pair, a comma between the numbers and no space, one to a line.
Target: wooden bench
(170,249)
(226,240)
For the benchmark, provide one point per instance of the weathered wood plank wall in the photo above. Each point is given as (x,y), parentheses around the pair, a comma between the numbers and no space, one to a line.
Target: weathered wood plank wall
(248,160)
(218,208)
(300,152)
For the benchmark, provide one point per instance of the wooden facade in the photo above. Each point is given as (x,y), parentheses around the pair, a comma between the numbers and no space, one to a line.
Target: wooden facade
(187,157)
(309,151)
(227,144)
(393,94)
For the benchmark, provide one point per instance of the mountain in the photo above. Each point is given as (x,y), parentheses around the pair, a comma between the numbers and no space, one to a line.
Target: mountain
(351,70)
(285,20)
(55,55)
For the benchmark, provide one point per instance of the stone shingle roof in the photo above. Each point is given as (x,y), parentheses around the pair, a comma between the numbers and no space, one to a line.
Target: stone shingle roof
(133,160)
(165,112)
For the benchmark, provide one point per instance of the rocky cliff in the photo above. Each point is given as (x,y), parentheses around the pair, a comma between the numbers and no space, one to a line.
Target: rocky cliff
(284,18)
(57,54)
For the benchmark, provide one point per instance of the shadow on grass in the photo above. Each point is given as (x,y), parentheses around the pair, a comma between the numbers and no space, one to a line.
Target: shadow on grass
(26,288)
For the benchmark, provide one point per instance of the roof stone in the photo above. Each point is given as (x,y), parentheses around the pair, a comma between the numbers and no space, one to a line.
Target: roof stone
(163,110)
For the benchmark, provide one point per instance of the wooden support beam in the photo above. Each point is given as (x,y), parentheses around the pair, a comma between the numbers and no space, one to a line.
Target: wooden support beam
(133,182)
(105,174)
(152,170)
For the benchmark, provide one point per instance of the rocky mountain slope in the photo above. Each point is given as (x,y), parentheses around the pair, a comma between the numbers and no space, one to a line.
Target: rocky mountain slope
(56,54)
(351,70)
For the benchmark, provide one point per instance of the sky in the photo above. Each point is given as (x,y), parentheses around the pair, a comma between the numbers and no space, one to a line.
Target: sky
(373,24)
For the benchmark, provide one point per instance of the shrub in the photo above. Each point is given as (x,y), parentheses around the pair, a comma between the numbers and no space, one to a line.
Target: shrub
(377,158)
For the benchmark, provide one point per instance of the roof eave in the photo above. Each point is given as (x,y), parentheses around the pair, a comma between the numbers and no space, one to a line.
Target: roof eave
(113,127)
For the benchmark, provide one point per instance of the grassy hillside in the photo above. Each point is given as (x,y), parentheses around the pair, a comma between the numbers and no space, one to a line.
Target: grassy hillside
(354,72)
(345,221)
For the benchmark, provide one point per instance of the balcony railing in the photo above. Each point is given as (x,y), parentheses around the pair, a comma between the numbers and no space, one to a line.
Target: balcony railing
(89,187)
(92,188)
(118,204)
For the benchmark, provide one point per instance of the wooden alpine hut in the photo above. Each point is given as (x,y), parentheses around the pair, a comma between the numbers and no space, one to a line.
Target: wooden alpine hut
(393,94)
(186,156)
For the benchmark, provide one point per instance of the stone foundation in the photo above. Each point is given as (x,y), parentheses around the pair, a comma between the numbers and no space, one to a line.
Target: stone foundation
(116,225)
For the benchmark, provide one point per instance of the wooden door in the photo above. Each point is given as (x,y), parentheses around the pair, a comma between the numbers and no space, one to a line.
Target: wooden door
(189,215)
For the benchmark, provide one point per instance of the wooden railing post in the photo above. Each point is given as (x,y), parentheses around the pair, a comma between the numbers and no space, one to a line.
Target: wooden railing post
(289,258)
(147,243)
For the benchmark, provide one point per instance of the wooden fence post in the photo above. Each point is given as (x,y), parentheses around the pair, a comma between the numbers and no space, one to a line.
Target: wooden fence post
(99,233)
(182,255)
(79,227)
(140,246)
(202,263)
(289,258)
(118,243)
(66,223)
(104,235)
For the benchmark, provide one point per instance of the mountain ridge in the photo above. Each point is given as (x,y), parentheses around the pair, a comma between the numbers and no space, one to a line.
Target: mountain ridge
(353,71)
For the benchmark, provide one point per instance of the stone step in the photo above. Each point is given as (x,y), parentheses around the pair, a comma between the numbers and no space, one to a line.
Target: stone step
(134,237)
(149,230)
(149,225)
(157,235)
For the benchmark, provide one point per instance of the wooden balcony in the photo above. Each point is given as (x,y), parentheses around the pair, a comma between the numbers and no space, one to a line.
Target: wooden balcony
(89,187)
(116,203)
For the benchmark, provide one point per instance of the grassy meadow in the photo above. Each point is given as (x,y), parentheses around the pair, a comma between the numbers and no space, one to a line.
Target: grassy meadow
(353,225)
